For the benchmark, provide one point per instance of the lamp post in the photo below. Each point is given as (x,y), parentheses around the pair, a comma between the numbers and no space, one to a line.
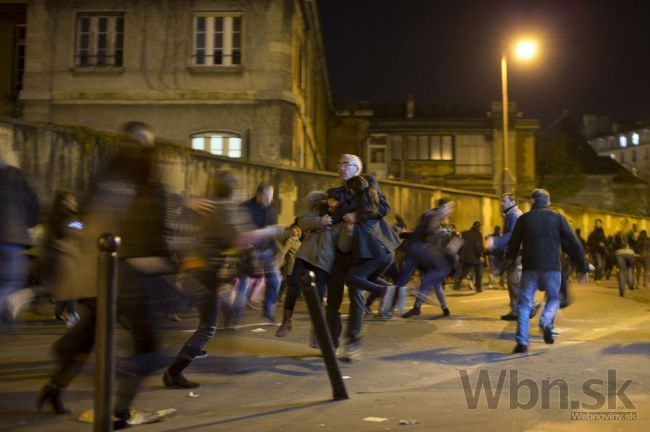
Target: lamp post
(524,50)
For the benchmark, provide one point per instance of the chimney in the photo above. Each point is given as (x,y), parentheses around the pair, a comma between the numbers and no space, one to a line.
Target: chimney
(410,106)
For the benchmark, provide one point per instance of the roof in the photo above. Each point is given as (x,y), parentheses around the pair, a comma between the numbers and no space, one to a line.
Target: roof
(563,137)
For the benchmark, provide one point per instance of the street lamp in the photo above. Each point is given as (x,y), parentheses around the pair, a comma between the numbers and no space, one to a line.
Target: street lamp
(524,50)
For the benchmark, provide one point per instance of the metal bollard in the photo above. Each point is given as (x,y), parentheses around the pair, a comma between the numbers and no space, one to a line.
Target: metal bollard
(324,337)
(105,330)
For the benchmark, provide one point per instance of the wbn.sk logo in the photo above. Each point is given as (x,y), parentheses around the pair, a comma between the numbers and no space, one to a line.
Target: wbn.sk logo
(600,392)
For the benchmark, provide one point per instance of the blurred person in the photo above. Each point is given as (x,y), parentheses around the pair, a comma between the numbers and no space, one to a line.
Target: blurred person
(223,229)
(511,214)
(643,250)
(494,260)
(541,234)
(426,248)
(349,166)
(127,199)
(287,256)
(263,214)
(597,245)
(18,212)
(625,255)
(63,226)
(469,257)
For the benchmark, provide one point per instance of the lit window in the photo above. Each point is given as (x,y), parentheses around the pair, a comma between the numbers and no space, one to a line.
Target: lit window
(635,138)
(100,40)
(435,147)
(217,40)
(218,143)
(622,140)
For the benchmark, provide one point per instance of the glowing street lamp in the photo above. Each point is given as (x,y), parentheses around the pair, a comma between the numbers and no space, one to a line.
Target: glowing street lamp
(524,50)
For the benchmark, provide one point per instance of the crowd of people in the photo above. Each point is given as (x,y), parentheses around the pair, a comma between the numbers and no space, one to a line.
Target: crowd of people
(226,255)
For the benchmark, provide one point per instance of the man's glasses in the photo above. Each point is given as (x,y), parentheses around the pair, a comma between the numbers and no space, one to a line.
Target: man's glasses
(345,164)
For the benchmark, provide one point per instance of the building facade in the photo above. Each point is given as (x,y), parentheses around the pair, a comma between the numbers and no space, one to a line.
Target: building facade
(437,145)
(238,78)
(629,146)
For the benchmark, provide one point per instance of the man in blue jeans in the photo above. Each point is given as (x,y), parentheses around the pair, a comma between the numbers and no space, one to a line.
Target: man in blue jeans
(18,213)
(543,233)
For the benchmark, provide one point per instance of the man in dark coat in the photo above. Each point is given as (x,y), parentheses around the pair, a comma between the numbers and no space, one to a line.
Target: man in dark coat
(542,233)
(596,243)
(349,166)
(18,212)
(470,257)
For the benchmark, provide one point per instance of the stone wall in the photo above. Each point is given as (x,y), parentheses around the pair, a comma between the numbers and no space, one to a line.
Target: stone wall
(54,160)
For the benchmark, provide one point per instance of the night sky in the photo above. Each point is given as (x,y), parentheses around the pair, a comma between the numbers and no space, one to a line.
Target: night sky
(594,55)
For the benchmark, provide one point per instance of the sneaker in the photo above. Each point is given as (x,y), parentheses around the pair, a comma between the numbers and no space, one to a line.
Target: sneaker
(411,313)
(19,300)
(425,298)
(201,355)
(509,317)
(384,317)
(351,353)
(367,312)
(548,335)
(520,348)
(555,332)
(445,312)
(271,320)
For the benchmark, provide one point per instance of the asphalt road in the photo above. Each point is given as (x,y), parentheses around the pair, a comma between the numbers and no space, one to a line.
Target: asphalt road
(422,370)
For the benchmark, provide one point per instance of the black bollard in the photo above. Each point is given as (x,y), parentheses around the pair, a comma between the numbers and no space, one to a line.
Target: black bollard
(105,330)
(324,337)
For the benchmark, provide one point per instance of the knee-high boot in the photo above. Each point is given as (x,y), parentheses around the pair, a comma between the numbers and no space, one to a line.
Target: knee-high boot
(174,374)
(285,327)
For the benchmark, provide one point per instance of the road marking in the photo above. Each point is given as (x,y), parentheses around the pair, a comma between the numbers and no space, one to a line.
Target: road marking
(481,299)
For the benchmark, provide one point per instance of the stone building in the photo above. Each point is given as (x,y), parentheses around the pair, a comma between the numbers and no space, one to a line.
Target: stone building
(447,146)
(239,78)
(627,144)
(576,174)
(12,55)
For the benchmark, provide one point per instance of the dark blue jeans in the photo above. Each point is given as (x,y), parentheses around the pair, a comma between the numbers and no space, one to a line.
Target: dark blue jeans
(364,276)
(13,274)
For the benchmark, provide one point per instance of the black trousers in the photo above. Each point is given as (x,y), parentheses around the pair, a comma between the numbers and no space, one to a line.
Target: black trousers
(335,287)
(136,305)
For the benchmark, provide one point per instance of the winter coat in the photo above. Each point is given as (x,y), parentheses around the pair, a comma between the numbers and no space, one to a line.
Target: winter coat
(509,220)
(18,206)
(472,249)
(129,202)
(320,244)
(597,241)
(542,233)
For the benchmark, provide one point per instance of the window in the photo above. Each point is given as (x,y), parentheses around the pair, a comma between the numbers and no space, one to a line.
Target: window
(218,143)
(20,34)
(217,40)
(434,147)
(622,140)
(633,155)
(396,147)
(100,40)
(635,138)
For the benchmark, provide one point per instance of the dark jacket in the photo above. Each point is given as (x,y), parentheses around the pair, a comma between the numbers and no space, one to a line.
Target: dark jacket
(472,249)
(348,204)
(597,241)
(543,233)
(262,217)
(18,206)
(509,220)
